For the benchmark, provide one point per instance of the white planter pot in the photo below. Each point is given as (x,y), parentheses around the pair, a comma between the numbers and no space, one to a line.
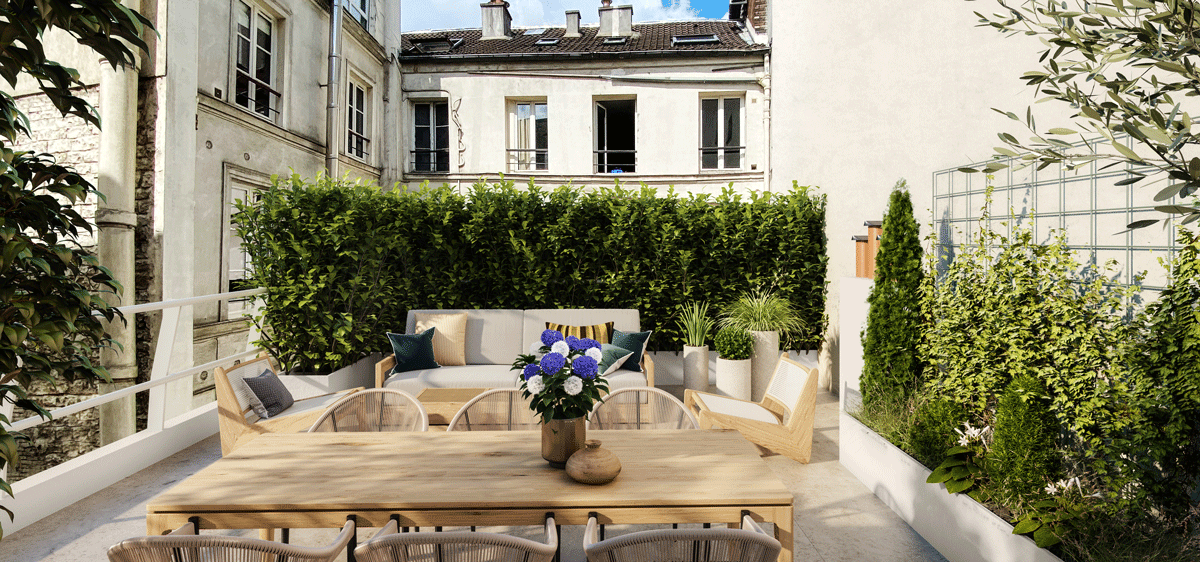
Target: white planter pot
(695,367)
(733,378)
(956,525)
(361,373)
(766,356)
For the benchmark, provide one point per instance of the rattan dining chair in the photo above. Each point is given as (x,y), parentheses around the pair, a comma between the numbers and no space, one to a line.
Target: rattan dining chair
(457,546)
(184,545)
(374,409)
(748,544)
(641,408)
(499,409)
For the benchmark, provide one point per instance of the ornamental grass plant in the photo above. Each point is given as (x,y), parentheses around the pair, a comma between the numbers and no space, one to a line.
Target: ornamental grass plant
(695,323)
(761,310)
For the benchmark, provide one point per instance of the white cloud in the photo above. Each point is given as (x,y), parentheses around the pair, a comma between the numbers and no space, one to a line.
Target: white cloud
(455,14)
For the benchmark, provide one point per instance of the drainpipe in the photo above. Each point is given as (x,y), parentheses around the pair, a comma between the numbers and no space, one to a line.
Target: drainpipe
(766,83)
(116,220)
(331,107)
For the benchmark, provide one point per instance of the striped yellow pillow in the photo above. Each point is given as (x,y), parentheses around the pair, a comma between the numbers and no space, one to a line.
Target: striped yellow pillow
(449,336)
(600,332)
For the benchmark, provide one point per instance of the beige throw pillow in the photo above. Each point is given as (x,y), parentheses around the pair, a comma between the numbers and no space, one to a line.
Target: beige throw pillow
(449,336)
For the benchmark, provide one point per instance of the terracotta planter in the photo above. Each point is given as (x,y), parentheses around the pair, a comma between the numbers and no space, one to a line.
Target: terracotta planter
(695,367)
(766,356)
(733,378)
(561,438)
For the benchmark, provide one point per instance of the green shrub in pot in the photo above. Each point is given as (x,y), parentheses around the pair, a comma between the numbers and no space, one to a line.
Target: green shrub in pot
(734,343)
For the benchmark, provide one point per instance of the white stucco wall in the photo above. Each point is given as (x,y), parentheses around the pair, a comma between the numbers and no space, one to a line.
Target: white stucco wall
(873,92)
(667,123)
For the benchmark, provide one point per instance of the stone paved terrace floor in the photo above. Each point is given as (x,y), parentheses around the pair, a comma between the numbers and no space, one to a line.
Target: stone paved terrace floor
(837,519)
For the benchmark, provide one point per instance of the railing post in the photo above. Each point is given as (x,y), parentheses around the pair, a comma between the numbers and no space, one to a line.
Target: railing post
(161,367)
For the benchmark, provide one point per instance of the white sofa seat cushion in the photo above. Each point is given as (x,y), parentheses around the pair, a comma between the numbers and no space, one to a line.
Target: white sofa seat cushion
(465,376)
(732,407)
(623,378)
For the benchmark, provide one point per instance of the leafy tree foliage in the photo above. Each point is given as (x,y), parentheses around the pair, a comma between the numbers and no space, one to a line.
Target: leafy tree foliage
(891,365)
(51,289)
(1128,68)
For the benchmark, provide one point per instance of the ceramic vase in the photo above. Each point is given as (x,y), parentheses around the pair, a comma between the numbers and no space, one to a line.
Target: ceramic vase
(561,438)
(695,367)
(593,464)
(766,356)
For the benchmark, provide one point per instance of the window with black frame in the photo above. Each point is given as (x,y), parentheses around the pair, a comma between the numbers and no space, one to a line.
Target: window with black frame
(431,137)
(721,133)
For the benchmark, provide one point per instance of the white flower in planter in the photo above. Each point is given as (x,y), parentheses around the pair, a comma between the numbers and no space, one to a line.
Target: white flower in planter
(573,385)
(595,353)
(561,348)
(972,435)
(535,384)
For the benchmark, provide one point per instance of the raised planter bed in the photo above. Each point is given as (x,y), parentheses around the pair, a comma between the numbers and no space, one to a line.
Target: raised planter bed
(361,373)
(957,526)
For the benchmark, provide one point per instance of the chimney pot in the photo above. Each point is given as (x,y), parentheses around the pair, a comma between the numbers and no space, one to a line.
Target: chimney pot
(572,24)
(497,22)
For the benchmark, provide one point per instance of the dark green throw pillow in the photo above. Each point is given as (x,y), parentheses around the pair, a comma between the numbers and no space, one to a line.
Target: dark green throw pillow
(635,341)
(612,357)
(413,351)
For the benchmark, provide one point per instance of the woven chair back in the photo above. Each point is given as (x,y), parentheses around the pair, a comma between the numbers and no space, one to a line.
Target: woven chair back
(376,409)
(499,409)
(641,408)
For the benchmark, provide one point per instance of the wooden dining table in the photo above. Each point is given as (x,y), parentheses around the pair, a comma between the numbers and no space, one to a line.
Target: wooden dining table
(318,480)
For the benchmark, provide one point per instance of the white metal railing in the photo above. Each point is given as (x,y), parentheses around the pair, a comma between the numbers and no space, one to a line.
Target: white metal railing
(159,377)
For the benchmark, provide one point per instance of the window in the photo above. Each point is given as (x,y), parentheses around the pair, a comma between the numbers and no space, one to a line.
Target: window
(693,39)
(356,121)
(242,185)
(615,131)
(528,137)
(721,133)
(431,136)
(255,80)
(360,9)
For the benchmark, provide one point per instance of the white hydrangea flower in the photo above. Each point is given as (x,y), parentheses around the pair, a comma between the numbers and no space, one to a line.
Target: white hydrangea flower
(573,385)
(535,384)
(561,348)
(594,354)
(535,348)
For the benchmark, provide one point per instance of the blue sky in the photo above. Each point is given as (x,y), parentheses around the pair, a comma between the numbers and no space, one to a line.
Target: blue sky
(455,14)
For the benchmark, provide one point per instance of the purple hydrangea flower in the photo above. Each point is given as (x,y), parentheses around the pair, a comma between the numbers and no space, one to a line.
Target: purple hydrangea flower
(553,363)
(572,341)
(589,343)
(585,367)
(551,336)
(530,370)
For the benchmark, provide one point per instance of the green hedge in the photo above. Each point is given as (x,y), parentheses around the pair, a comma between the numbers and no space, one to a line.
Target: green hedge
(343,263)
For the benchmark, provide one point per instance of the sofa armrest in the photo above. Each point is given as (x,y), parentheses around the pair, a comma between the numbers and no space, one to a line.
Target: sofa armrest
(648,368)
(382,369)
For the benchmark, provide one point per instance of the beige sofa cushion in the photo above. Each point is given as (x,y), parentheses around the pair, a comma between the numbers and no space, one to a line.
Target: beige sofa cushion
(449,336)
(493,336)
(466,376)
(624,319)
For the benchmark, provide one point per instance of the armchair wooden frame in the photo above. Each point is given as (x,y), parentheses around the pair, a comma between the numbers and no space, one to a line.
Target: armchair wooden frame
(239,424)
(791,399)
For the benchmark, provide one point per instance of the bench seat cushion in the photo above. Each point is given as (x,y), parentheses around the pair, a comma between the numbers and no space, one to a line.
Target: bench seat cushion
(485,376)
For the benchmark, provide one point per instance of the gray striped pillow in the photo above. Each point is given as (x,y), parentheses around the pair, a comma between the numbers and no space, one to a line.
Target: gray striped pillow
(268,396)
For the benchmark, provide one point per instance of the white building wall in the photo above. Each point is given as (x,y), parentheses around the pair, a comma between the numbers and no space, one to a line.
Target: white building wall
(667,123)
(873,92)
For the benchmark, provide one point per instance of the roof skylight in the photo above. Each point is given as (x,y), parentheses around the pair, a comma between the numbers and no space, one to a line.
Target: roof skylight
(694,39)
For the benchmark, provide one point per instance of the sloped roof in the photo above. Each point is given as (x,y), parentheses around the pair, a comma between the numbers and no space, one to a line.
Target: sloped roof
(656,39)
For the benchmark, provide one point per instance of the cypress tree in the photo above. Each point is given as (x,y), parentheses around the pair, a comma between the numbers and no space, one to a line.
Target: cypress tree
(891,367)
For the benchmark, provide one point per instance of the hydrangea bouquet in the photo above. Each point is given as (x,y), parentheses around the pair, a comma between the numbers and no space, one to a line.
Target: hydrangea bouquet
(562,375)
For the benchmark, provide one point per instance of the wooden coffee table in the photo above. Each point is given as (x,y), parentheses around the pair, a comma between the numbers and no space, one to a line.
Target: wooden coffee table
(442,403)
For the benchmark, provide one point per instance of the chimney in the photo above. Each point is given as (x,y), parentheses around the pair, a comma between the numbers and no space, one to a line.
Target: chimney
(615,22)
(572,24)
(497,22)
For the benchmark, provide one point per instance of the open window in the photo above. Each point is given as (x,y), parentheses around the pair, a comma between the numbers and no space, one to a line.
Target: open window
(528,136)
(256,79)
(358,101)
(616,132)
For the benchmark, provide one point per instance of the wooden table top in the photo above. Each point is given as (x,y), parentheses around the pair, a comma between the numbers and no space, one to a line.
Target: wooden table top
(480,470)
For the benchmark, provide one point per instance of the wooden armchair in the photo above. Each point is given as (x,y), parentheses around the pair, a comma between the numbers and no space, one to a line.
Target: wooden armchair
(782,422)
(238,422)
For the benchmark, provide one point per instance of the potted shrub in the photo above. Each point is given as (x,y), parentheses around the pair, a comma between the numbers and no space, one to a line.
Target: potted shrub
(764,314)
(696,325)
(734,346)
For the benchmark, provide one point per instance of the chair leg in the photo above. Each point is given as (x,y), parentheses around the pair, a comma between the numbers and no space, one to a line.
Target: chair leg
(285,535)
(353,540)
